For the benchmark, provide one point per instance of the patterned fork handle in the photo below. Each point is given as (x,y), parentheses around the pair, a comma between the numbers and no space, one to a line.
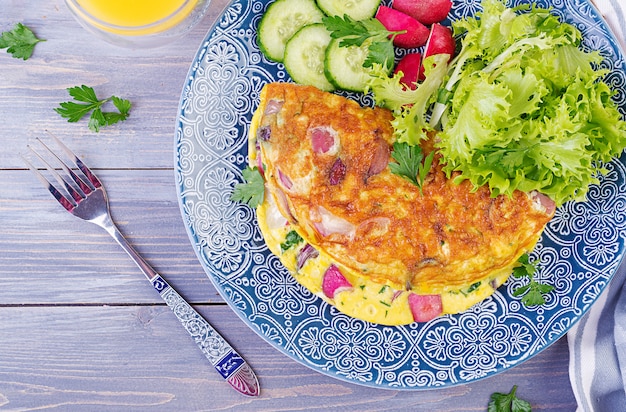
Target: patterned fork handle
(222,356)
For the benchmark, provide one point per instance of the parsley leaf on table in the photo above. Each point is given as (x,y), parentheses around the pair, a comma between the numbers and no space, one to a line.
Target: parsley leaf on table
(533,291)
(508,402)
(252,190)
(408,163)
(73,111)
(357,32)
(20,41)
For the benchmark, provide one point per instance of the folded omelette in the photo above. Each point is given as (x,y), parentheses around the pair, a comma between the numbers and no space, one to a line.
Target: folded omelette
(368,241)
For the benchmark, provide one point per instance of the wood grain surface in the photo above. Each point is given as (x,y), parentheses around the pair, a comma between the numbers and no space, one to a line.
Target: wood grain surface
(80,328)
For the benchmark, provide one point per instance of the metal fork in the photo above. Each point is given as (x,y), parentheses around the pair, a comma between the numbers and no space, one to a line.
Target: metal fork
(82,194)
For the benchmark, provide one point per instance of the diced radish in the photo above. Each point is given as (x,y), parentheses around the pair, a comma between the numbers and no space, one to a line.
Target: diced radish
(416,33)
(306,253)
(323,140)
(425,11)
(412,70)
(425,307)
(440,41)
(334,282)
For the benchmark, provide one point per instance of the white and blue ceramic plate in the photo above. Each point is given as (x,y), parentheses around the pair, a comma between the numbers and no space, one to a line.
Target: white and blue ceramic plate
(579,251)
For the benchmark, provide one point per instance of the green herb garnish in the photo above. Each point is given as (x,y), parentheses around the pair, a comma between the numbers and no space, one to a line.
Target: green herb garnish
(20,42)
(252,190)
(507,402)
(357,32)
(73,111)
(533,291)
(408,163)
(292,239)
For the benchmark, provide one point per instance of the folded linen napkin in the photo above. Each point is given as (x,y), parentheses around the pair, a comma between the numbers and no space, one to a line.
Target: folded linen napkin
(597,343)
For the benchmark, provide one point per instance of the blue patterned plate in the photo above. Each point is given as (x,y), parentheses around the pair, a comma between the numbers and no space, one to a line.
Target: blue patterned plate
(579,251)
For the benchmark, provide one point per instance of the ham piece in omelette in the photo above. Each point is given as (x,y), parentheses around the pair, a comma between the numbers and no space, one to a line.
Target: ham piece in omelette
(325,162)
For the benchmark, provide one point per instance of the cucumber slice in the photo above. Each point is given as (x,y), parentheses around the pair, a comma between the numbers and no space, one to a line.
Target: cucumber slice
(357,9)
(282,20)
(304,56)
(344,66)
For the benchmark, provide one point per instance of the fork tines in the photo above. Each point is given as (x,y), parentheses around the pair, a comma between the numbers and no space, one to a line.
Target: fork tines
(75,187)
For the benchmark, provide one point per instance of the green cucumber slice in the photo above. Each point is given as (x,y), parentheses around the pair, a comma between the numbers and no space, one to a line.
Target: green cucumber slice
(304,56)
(344,66)
(281,20)
(357,9)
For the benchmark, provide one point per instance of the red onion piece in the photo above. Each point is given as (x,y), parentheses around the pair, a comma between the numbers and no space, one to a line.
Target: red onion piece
(337,172)
(306,253)
(273,107)
(284,180)
(333,225)
(543,202)
(263,133)
(380,158)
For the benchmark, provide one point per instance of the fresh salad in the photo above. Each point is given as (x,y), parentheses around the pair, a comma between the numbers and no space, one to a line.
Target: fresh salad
(517,103)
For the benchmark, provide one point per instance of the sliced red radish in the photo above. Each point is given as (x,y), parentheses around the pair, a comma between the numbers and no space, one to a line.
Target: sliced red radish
(425,11)
(425,307)
(416,33)
(284,180)
(334,282)
(412,71)
(324,140)
(440,41)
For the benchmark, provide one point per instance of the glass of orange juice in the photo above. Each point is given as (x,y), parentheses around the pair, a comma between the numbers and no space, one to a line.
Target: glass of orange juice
(138,23)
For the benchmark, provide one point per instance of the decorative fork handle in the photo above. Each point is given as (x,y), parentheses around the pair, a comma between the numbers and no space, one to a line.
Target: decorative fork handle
(230,365)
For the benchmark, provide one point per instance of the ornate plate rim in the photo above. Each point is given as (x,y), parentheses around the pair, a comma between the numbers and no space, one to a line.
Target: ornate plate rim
(198,243)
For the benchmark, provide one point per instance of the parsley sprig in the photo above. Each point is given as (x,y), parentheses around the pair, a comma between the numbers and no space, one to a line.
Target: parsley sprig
(408,163)
(74,111)
(533,292)
(19,42)
(507,402)
(357,32)
(252,190)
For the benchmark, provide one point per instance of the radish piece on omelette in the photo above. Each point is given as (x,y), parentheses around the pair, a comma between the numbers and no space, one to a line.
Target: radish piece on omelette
(371,243)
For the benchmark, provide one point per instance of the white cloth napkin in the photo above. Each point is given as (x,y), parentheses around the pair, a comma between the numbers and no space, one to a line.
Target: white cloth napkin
(597,343)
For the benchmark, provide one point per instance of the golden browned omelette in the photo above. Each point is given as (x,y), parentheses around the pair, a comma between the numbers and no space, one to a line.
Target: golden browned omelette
(365,239)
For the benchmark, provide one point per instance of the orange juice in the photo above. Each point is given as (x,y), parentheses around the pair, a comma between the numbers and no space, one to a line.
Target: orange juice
(135,17)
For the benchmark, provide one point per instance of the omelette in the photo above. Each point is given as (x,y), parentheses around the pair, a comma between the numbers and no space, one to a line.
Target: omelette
(368,241)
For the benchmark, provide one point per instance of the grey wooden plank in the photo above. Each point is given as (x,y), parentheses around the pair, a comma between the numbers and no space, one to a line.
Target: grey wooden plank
(48,256)
(135,358)
(152,79)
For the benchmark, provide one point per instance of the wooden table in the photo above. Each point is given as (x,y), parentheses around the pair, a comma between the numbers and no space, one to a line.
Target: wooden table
(80,328)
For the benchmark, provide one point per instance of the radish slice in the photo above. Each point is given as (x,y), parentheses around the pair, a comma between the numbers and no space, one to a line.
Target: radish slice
(306,253)
(334,282)
(416,33)
(425,307)
(440,41)
(323,140)
(425,11)
(412,70)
